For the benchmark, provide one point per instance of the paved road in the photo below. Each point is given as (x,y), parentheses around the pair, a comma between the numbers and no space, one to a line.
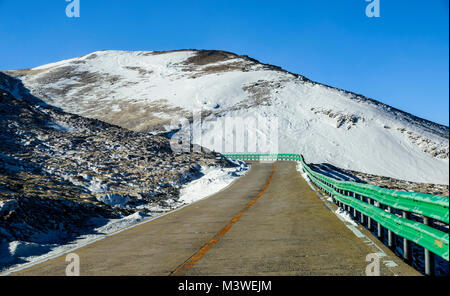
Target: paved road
(268,222)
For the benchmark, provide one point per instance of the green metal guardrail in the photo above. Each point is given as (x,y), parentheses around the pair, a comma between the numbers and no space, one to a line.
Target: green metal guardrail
(354,195)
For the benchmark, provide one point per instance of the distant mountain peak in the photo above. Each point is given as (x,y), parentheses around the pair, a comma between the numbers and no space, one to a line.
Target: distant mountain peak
(144,91)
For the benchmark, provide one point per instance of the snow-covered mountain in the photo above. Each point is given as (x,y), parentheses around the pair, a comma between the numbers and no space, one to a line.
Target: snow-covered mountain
(143,91)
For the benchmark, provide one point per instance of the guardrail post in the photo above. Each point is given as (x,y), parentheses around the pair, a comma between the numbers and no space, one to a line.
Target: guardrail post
(344,192)
(348,193)
(379,227)
(354,209)
(406,246)
(390,233)
(369,220)
(361,216)
(348,206)
(429,256)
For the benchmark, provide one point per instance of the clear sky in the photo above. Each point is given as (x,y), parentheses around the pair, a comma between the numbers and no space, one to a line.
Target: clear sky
(400,58)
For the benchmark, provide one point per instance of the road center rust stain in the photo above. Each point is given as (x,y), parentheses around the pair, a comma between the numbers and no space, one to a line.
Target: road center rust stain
(208,246)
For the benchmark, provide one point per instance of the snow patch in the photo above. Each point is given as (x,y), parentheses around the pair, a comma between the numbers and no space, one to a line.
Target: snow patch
(345,216)
(96,186)
(8,205)
(114,200)
(116,108)
(114,225)
(162,115)
(59,126)
(213,180)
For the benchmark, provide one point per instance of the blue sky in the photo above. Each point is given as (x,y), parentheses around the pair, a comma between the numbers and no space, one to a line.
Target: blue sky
(400,58)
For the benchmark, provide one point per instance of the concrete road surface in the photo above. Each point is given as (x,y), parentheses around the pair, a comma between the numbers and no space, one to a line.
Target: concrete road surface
(268,222)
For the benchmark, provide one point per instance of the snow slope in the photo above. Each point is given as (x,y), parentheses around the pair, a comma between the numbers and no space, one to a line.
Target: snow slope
(213,180)
(145,90)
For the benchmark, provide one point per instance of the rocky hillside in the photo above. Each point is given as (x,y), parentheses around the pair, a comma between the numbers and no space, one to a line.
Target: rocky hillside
(144,91)
(59,170)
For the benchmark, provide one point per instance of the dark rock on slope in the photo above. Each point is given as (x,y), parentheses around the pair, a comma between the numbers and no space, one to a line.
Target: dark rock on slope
(58,170)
